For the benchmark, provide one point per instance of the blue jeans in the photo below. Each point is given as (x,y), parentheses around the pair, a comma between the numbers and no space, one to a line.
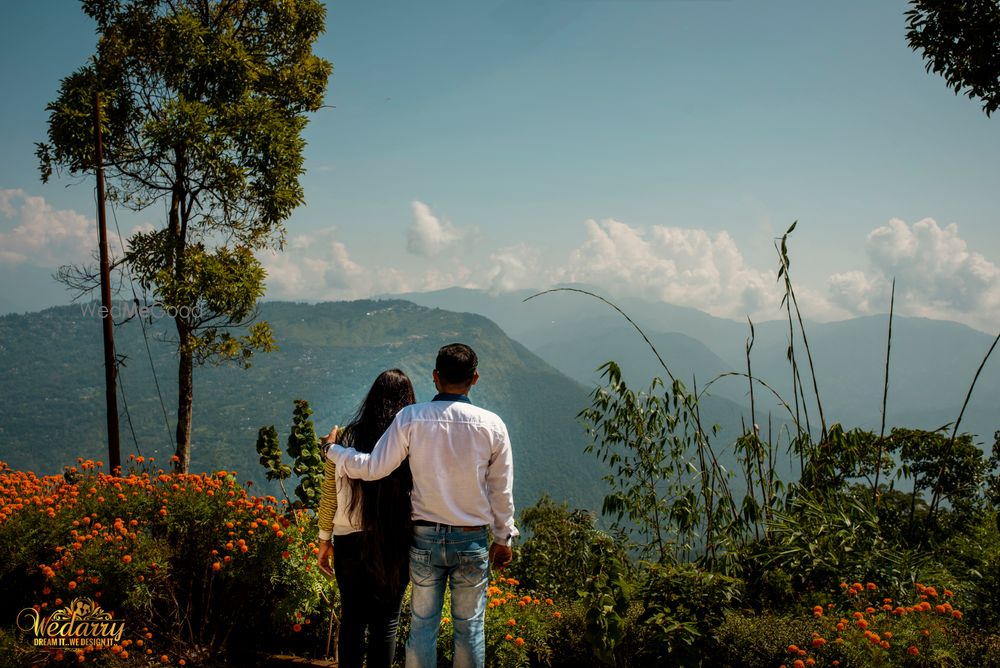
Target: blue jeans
(443,555)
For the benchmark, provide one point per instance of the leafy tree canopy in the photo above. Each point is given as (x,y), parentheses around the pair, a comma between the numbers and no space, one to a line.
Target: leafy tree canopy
(960,40)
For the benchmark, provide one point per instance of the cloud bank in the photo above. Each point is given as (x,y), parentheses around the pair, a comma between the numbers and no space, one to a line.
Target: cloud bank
(937,276)
(688,267)
(33,232)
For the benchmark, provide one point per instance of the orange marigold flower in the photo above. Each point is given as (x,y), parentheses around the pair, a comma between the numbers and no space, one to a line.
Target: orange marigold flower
(445,620)
(799,663)
(511,622)
(557,614)
(912,650)
(127,559)
(508,637)
(296,627)
(518,641)
(217,566)
(957,614)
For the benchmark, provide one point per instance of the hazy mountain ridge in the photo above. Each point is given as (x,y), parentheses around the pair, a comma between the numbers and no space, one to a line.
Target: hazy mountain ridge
(931,367)
(53,403)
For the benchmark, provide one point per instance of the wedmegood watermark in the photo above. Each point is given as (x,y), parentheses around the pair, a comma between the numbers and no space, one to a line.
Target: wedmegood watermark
(125,310)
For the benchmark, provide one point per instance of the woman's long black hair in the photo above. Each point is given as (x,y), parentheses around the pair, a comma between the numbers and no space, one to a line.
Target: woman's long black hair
(383,506)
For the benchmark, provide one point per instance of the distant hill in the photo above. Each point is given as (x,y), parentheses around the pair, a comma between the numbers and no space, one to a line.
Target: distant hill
(52,401)
(932,362)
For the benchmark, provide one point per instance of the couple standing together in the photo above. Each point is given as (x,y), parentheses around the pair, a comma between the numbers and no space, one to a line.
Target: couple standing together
(419,491)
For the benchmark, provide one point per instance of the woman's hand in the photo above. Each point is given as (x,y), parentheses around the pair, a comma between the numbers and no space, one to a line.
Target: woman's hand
(332,436)
(326,555)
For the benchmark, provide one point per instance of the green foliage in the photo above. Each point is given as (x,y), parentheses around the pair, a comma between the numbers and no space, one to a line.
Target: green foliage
(651,443)
(563,548)
(270,454)
(606,598)
(759,641)
(682,606)
(820,539)
(218,290)
(303,448)
(960,41)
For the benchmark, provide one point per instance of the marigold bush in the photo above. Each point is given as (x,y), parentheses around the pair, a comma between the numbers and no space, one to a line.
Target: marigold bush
(864,627)
(194,565)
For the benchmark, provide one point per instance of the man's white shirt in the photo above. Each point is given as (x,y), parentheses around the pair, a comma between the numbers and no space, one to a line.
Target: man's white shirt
(461,461)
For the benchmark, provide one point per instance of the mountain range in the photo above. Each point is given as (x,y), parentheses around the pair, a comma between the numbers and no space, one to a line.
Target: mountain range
(52,396)
(539,363)
(931,365)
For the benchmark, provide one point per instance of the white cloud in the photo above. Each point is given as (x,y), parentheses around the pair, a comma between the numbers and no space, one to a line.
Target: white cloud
(33,232)
(937,276)
(429,235)
(512,268)
(683,266)
(313,266)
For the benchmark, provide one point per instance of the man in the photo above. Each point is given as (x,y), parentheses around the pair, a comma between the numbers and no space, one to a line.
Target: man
(462,466)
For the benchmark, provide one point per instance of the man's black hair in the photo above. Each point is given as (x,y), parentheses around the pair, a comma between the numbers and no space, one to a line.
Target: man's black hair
(456,363)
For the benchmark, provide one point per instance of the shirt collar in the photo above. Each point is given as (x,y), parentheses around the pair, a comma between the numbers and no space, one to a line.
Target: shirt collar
(447,396)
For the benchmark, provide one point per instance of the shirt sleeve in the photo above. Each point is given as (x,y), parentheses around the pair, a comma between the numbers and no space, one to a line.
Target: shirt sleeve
(388,454)
(500,487)
(328,500)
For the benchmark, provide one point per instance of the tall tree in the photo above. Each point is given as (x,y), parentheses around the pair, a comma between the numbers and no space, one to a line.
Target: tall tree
(205,104)
(960,40)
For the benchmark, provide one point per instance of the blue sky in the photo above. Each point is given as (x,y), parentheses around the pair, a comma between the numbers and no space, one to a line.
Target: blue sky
(653,148)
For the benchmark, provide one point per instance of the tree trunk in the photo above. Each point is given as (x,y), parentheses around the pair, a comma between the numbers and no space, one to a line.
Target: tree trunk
(185,398)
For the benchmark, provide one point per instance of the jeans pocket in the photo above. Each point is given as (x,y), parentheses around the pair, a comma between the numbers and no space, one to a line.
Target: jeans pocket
(421,571)
(473,567)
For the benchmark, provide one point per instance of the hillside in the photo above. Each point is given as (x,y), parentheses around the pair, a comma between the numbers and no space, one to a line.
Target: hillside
(52,403)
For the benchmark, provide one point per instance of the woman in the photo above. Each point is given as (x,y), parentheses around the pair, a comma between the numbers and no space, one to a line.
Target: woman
(371,530)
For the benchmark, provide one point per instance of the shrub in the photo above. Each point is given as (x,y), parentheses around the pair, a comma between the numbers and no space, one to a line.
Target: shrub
(192,564)
(682,606)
